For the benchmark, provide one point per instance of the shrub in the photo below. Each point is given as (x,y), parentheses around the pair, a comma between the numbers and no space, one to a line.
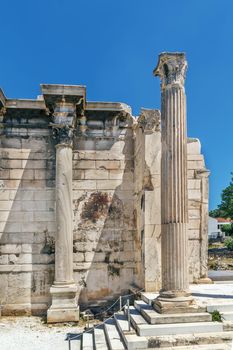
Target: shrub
(229,243)
(216,316)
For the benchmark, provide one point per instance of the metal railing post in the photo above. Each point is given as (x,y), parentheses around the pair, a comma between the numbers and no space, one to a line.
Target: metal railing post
(120,299)
(69,343)
(128,314)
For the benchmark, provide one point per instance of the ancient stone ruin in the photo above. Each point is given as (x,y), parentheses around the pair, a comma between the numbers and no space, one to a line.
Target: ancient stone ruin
(83,193)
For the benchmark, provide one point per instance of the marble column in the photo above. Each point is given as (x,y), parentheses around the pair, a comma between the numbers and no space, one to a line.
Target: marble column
(64,306)
(174,294)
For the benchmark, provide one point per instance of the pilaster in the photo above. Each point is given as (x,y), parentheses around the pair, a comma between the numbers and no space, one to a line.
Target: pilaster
(63,103)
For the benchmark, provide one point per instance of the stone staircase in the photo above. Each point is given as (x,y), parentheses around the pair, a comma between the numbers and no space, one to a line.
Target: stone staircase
(151,330)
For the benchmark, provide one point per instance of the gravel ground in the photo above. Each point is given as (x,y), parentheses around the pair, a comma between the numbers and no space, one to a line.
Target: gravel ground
(30,333)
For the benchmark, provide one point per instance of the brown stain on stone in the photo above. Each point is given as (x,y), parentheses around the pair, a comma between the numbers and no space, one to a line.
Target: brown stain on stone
(102,205)
(96,207)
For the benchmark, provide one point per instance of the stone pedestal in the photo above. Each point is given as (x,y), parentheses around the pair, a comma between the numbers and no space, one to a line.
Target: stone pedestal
(174,295)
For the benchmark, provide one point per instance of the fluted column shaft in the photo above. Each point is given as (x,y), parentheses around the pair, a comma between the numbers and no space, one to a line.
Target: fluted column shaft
(174,190)
(64,216)
(174,207)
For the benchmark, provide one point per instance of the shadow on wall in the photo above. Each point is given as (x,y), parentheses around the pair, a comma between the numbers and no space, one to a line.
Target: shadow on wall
(107,252)
(27,223)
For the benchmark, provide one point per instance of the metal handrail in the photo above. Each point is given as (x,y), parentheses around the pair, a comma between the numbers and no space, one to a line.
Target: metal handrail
(100,313)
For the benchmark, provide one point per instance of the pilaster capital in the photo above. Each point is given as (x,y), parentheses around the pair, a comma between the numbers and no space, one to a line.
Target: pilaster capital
(149,120)
(64,103)
(171,69)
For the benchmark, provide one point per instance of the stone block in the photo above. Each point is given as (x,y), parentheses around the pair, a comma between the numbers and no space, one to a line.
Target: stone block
(194,184)
(47,194)
(96,174)
(194,194)
(193,234)
(12,184)
(4,174)
(23,195)
(194,213)
(194,224)
(78,257)
(3,288)
(191,174)
(34,164)
(89,256)
(195,164)
(84,164)
(34,205)
(107,184)
(16,174)
(10,248)
(43,174)
(84,185)
(78,174)
(4,215)
(116,174)
(193,146)
(3,259)
(19,216)
(16,280)
(4,195)
(41,216)
(13,227)
(108,164)
(33,184)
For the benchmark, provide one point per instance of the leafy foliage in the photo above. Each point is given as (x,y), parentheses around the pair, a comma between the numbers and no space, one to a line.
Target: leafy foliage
(229,243)
(216,316)
(225,208)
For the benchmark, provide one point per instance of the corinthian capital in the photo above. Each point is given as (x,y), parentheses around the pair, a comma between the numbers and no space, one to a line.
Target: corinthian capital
(149,120)
(171,69)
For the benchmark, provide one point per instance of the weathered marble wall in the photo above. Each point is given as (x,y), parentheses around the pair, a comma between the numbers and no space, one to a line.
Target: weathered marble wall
(116,192)
(27,226)
(105,256)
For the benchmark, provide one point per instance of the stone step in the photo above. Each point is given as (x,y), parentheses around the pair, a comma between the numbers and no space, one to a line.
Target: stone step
(178,328)
(153,317)
(76,344)
(113,337)
(194,339)
(100,339)
(220,307)
(131,339)
(220,346)
(148,298)
(87,341)
(227,316)
(135,316)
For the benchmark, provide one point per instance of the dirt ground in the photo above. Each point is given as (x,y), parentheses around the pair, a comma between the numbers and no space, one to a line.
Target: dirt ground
(31,333)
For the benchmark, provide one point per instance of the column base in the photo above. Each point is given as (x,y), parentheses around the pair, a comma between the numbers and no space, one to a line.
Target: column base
(176,305)
(64,306)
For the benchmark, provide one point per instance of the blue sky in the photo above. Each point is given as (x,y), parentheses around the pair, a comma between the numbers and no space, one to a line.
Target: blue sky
(112,47)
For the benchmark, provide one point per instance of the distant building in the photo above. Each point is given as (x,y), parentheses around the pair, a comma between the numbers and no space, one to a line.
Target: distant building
(213,231)
(215,227)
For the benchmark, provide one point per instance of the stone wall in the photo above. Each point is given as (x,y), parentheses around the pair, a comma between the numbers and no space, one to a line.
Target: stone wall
(27,220)
(104,226)
(116,205)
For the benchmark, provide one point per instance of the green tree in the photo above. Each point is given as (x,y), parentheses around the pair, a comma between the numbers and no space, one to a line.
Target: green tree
(225,208)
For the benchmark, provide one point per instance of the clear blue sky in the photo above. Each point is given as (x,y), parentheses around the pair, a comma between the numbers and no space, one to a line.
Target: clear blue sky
(111,46)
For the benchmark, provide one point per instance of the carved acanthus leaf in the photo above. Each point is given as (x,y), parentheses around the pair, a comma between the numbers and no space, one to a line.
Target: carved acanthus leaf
(171,69)
(149,120)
